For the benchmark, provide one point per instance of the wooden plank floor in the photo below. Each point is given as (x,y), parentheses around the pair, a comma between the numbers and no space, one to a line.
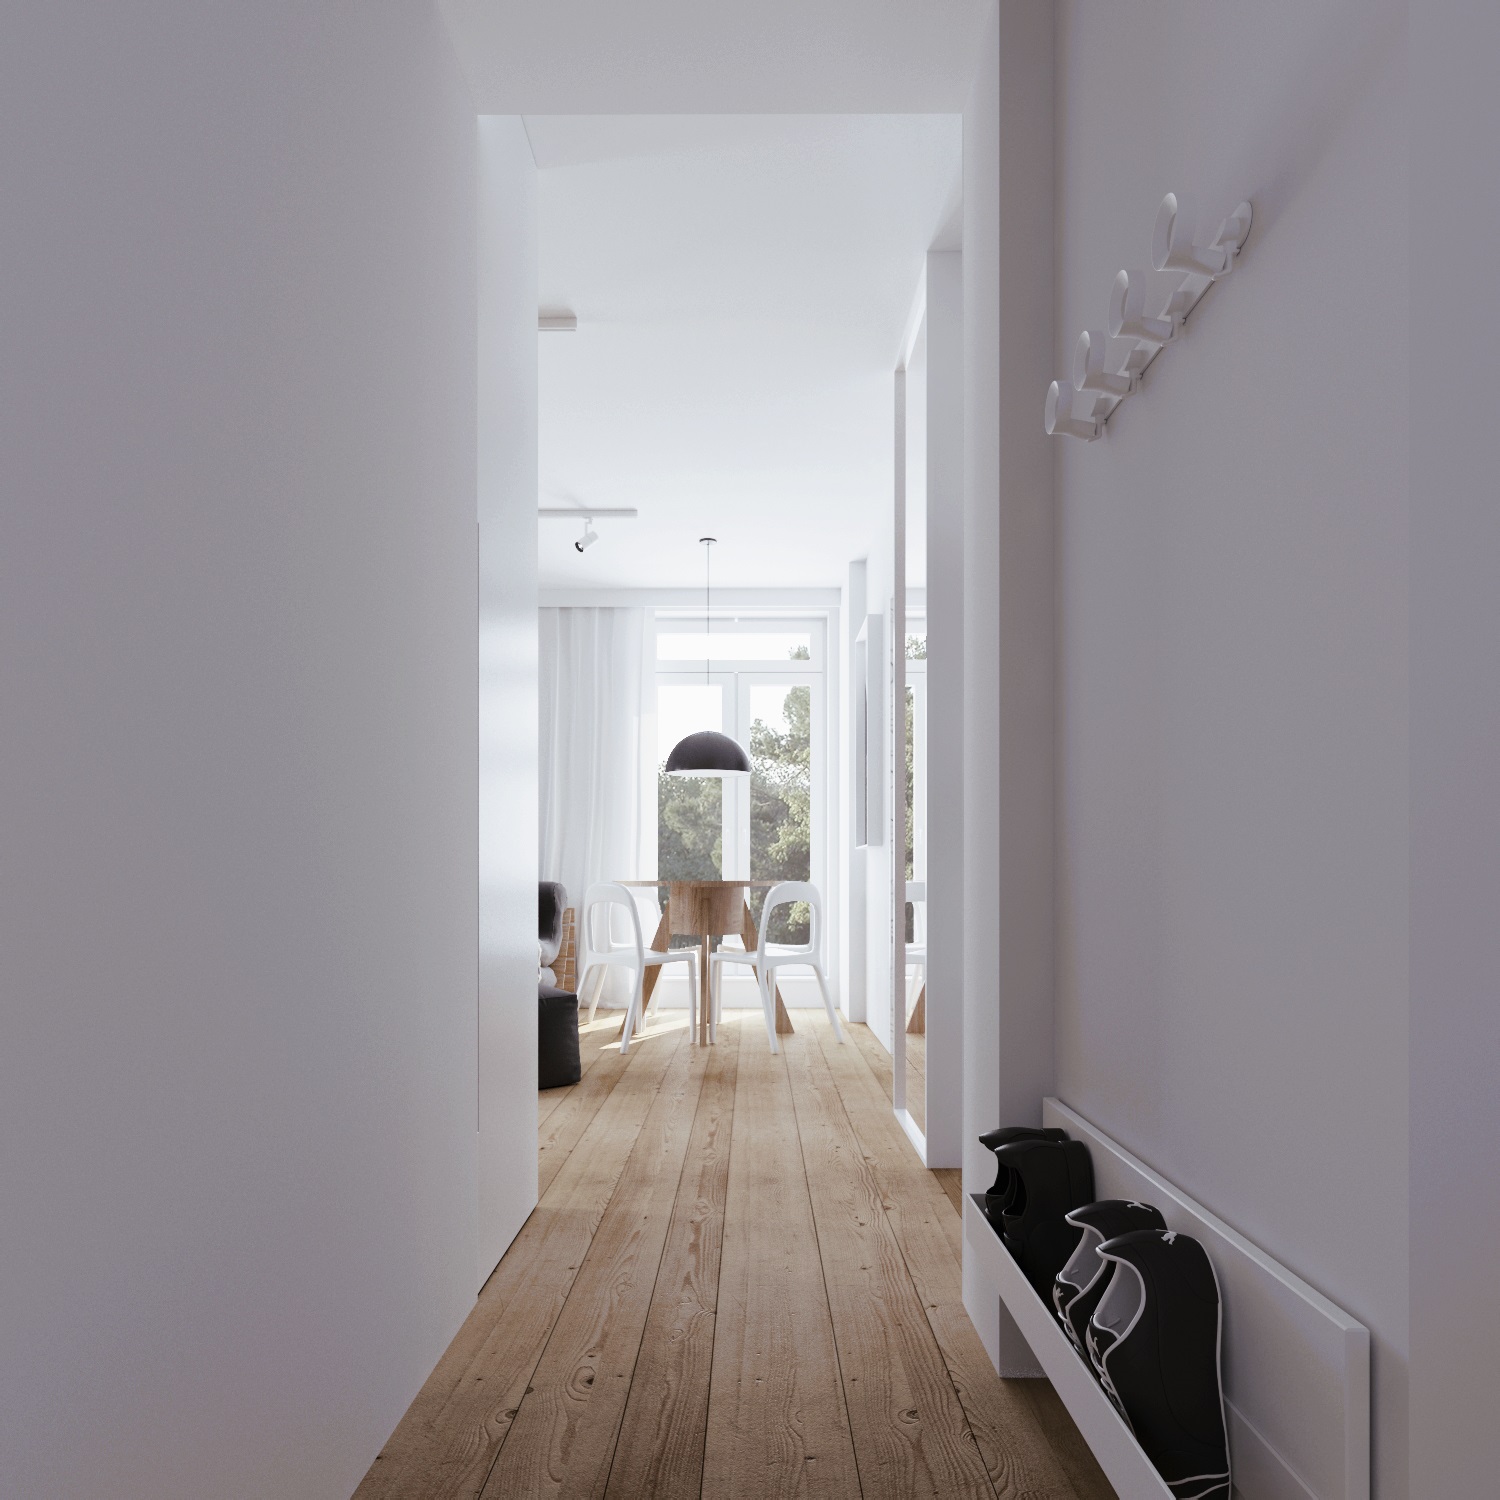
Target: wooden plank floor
(740,1284)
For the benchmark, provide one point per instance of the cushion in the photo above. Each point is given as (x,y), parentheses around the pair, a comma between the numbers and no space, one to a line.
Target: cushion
(552,901)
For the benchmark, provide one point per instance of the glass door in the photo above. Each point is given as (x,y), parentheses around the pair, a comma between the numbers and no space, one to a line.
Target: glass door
(780,802)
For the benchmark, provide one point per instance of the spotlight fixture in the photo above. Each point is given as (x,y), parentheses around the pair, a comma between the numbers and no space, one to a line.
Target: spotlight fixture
(587,540)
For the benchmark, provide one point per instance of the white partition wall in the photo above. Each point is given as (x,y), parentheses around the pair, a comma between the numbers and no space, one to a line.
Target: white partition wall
(1455,752)
(507,1120)
(237,742)
(1235,693)
(944,586)
(1008,607)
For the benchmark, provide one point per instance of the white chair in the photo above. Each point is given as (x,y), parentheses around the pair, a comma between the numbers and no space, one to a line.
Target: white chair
(600,950)
(916,951)
(768,957)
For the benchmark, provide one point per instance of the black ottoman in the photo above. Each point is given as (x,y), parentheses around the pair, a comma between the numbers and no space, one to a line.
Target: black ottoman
(558,1061)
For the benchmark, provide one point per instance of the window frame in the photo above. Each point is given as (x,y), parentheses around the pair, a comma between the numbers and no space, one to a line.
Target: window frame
(737,676)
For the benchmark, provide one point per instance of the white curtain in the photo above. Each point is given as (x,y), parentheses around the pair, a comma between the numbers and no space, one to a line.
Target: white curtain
(593,675)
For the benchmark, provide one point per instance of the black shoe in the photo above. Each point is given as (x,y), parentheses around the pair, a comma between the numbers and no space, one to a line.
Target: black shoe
(999,1195)
(1050,1179)
(1081,1283)
(1155,1336)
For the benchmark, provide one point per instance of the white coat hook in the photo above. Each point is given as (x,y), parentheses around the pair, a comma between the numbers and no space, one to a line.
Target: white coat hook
(1127,312)
(1177,243)
(1060,418)
(1234,231)
(1174,241)
(1091,373)
(1188,265)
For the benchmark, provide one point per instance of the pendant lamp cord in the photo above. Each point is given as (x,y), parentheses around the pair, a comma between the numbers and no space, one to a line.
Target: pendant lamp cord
(708,619)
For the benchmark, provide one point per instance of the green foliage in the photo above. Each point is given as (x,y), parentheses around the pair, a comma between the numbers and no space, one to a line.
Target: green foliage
(689,827)
(781,808)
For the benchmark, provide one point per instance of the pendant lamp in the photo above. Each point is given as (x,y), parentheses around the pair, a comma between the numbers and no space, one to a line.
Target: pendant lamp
(707,752)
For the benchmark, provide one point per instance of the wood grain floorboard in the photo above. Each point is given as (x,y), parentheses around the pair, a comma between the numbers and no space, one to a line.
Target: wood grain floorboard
(910,1433)
(445,1445)
(738,1275)
(589,1052)
(566,1124)
(877,1059)
(563,1436)
(951,1180)
(777,1423)
(665,1427)
(1031,1449)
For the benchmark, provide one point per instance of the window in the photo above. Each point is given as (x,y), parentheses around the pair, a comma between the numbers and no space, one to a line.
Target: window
(764,686)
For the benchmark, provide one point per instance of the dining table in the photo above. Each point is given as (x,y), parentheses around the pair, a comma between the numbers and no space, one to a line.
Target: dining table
(705,909)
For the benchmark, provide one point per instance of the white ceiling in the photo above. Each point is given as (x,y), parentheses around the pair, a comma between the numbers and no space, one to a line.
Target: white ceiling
(742,285)
(709,56)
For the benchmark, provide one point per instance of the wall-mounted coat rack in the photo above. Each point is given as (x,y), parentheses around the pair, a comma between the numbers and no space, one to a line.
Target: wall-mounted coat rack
(1107,365)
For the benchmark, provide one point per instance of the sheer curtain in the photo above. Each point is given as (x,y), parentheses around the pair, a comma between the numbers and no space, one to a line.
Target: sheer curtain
(591,755)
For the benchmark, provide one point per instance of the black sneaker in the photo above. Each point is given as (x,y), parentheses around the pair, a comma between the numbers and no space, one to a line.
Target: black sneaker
(1049,1180)
(1155,1339)
(1081,1283)
(999,1195)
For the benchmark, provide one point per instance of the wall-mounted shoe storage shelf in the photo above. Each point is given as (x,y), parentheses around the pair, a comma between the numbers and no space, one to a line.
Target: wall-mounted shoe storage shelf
(1108,362)
(1296,1369)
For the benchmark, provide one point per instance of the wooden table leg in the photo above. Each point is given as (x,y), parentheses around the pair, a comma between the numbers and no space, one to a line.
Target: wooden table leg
(703,968)
(917,1025)
(751,939)
(659,944)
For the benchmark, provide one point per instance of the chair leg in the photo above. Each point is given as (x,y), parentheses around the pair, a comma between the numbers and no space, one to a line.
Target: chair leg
(632,1011)
(767,982)
(833,1014)
(596,972)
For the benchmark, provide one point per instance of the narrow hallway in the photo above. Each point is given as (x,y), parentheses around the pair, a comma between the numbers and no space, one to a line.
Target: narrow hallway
(739,1281)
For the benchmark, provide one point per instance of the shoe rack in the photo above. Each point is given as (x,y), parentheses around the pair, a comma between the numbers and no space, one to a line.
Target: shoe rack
(1296,1367)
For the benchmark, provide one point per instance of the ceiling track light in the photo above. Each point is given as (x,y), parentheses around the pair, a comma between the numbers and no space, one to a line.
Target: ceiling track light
(593,513)
(588,517)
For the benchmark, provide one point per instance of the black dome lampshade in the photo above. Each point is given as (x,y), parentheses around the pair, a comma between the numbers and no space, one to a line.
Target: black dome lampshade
(707,752)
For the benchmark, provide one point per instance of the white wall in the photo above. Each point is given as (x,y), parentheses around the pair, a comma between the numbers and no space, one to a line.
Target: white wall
(852,940)
(1233,676)
(1008,608)
(508,771)
(880,583)
(943,582)
(1455,753)
(237,748)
